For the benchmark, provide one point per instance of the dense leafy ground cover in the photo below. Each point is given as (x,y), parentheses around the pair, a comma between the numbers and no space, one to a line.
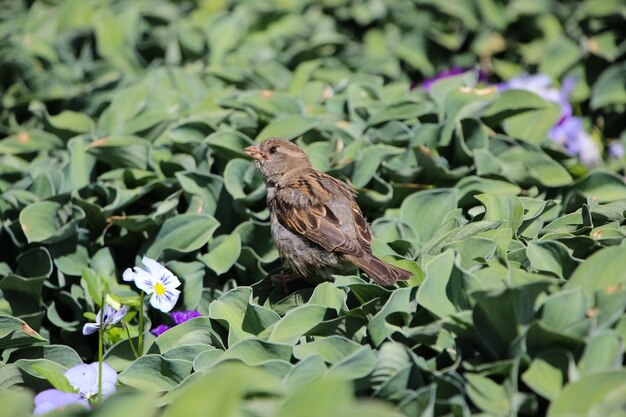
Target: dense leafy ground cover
(122,126)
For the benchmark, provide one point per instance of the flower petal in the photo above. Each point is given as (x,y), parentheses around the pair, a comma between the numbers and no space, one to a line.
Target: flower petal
(143,279)
(184,315)
(160,329)
(169,280)
(83,378)
(90,328)
(155,268)
(109,375)
(118,315)
(128,275)
(51,399)
(165,302)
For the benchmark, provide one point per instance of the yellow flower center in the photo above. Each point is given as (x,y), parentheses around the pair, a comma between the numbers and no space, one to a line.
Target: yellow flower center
(159,289)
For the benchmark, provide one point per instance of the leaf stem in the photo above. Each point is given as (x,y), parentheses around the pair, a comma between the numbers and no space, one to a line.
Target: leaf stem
(100,349)
(141,324)
(130,340)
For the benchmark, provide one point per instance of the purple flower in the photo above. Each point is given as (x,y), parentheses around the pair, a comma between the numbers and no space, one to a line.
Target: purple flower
(178,317)
(184,315)
(111,318)
(160,329)
(569,129)
(84,379)
(541,85)
(616,150)
(428,83)
(571,134)
(52,399)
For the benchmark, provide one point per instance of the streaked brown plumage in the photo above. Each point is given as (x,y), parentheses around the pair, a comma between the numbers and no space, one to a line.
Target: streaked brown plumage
(316,224)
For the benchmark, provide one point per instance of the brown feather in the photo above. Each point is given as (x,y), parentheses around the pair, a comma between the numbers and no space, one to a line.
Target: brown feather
(316,222)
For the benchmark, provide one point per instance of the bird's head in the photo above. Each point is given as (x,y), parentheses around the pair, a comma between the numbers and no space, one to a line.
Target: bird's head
(275,157)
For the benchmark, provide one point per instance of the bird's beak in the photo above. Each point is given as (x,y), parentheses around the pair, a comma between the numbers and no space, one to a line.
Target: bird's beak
(254,151)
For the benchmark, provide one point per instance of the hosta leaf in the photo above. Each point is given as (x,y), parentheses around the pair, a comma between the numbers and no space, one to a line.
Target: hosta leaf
(15,332)
(223,253)
(288,127)
(183,233)
(602,391)
(154,373)
(426,210)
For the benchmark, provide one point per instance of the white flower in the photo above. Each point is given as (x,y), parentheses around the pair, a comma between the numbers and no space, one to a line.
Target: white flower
(158,281)
(84,378)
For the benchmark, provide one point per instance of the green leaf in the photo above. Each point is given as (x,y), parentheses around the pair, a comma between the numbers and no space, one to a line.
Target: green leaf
(426,210)
(564,310)
(221,391)
(601,392)
(397,306)
(601,185)
(39,220)
(72,121)
(16,403)
(603,352)
(184,233)
(297,323)
(195,331)
(288,127)
(223,253)
(52,373)
(29,141)
(154,373)
(445,290)
(551,256)
(254,351)
(610,88)
(15,333)
(500,317)
(601,271)
(488,395)
(331,349)
(547,373)
(507,208)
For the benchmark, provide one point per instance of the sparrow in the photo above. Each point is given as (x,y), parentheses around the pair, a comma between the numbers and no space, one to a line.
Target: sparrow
(315,222)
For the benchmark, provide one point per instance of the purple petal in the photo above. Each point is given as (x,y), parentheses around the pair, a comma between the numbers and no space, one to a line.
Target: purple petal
(90,328)
(567,86)
(427,83)
(118,315)
(83,377)
(616,150)
(184,315)
(160,329)
(51,399)
(571,134)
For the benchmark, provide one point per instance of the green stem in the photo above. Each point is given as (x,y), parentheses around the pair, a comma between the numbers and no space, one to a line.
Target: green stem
(140,341)
(130,341)
(100,333)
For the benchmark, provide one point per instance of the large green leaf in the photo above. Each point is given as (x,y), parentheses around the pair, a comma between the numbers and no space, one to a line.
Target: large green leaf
(184,233)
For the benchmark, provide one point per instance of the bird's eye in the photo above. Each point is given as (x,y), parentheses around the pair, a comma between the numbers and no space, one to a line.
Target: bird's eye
(273,149)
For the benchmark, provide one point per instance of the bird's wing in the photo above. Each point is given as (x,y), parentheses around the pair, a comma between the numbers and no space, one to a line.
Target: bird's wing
(302,207)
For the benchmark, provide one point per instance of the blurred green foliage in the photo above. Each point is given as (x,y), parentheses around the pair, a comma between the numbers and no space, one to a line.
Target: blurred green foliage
(122,125)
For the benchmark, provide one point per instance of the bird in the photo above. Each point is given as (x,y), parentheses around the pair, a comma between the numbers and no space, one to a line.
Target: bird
(315,222)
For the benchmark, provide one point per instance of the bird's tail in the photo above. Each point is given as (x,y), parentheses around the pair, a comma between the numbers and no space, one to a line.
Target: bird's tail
(382,272)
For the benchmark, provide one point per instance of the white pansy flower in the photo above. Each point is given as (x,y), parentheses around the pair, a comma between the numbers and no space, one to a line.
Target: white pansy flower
(156,280)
